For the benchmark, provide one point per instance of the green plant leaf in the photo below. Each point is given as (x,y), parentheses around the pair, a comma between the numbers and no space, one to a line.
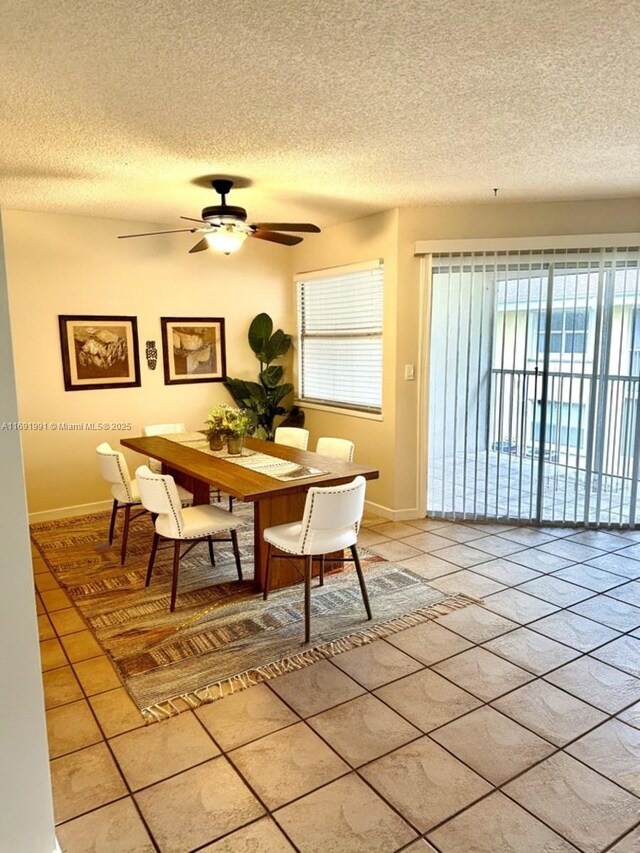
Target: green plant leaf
(259,334)
(277,345)
(280,392)
(239,390)
(263,399)
(272,376)
(257,394)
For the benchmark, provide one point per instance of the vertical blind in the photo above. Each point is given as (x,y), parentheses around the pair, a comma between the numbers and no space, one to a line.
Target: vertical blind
(340,337)
(535,386)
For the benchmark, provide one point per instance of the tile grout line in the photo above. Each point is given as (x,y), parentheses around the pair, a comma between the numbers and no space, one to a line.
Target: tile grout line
(428,668)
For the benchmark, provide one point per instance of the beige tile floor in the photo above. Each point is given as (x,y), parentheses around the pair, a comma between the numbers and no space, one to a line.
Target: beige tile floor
(508,727)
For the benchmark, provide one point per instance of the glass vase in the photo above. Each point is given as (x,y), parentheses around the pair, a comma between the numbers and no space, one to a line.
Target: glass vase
(234,444)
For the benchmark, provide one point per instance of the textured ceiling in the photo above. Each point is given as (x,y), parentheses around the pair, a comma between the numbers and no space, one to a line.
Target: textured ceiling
(332,109)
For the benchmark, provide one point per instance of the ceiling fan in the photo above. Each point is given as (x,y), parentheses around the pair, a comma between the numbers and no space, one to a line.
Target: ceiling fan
(225,227)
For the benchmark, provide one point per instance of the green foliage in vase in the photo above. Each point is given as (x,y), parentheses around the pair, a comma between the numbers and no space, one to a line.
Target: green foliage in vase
(227,420)
(264,398)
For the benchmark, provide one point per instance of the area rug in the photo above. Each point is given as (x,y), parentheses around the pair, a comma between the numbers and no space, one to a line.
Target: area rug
(222,636)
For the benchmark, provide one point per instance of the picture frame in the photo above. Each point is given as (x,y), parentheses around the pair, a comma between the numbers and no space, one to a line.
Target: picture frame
(193,350)
(99,352)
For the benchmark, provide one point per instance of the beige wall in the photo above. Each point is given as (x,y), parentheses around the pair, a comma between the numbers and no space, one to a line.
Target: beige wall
(362,240)
(74,265)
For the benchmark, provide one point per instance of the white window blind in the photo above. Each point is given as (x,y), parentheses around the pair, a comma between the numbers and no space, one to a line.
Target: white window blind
(340,337)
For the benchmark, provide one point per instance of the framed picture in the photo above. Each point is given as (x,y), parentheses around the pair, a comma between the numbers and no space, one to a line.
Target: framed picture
(193,349)
(99,352)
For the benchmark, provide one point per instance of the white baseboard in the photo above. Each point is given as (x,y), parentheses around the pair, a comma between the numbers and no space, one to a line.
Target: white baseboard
(66,511)
(392,514)
(102,506)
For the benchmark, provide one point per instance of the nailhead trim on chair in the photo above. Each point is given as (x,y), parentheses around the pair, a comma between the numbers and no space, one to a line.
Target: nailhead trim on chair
(177,520)
(124,479)
(175,514)
(164,483)
(328,491)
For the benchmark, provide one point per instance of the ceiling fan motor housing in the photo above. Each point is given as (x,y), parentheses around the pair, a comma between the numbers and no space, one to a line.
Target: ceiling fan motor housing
(221,213)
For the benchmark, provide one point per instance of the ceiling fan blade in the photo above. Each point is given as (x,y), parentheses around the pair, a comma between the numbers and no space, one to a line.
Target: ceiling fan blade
(191,219)
(288,226)
(151,233)
(285,239)
(199,247)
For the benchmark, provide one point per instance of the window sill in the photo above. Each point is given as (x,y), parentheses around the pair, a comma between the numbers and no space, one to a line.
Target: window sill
(337,410)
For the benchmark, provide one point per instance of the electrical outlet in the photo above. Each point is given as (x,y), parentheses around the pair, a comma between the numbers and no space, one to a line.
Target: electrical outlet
(409,371)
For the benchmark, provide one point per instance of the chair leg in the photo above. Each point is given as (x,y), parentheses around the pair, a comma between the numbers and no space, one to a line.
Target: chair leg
(152,557)
(211,554)
(363,588)
(322,570)
(112,525)
(236,552)
(230,503)
(267,577)
(308,565)
(176,567)
(125,533)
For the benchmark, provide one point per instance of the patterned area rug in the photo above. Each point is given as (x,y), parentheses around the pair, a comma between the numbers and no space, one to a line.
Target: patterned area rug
(222,636)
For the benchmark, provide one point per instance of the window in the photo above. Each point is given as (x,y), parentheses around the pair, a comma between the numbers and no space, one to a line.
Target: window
(568,333)
(340,337)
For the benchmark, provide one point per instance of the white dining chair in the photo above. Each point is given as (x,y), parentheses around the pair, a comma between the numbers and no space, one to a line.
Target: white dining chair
(292,437)
(115,471)
(160,429)
(339,448)
(159,495)
(330,523)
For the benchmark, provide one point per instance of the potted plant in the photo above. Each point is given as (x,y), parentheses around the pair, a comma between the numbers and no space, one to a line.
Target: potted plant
(215,424)
(237,425)
(264,398)
(227,422)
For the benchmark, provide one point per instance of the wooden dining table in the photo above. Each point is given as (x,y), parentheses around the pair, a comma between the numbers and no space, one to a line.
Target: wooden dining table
(275,501)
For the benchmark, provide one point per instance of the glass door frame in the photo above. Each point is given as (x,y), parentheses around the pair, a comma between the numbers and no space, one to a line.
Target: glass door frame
(598,396)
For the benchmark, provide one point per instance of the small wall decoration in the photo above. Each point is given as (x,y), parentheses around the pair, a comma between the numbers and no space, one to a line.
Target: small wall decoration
(99,352)
(151,354)
(193,349)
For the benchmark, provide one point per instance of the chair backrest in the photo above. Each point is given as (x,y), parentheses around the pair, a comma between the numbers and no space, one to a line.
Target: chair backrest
(160,429)
(292,437)
(159,495)
(339,448)
(332,516)
(114,469)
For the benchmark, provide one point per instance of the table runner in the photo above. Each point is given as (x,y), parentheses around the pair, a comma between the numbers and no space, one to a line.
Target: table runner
(271,466)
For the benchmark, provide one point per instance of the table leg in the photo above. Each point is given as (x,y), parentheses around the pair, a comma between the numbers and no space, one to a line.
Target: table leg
(199,489)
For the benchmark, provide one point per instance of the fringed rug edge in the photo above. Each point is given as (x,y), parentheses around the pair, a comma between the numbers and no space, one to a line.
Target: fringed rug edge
(218,689)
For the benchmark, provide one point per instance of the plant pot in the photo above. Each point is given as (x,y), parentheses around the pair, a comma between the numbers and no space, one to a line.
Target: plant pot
(216,441)
(234,445)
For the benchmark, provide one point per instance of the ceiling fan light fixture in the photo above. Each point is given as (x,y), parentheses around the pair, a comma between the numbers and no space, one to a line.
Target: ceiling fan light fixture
(227,238)
(224,227)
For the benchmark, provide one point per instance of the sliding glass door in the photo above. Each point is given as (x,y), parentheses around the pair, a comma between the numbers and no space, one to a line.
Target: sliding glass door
(534,374)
